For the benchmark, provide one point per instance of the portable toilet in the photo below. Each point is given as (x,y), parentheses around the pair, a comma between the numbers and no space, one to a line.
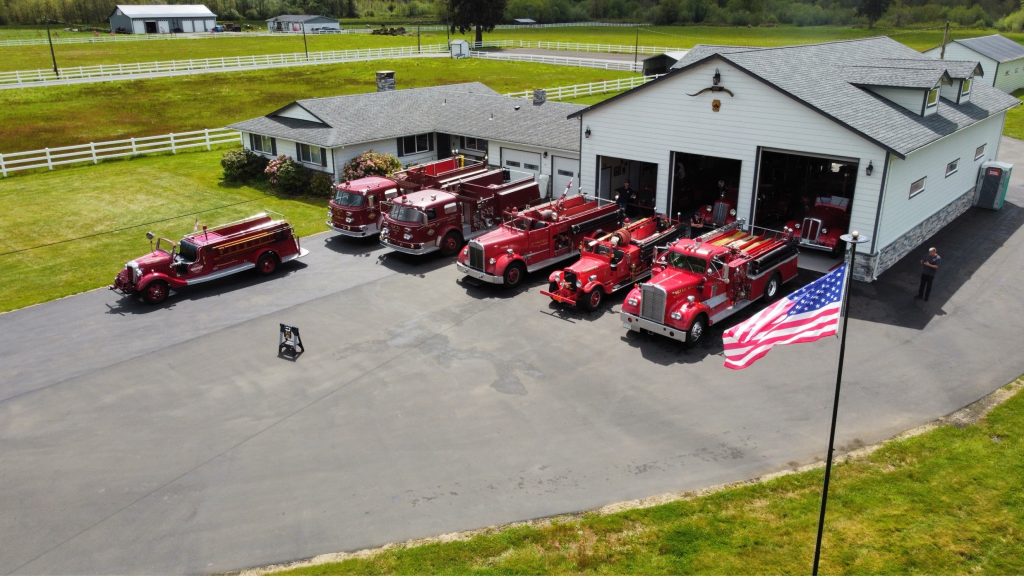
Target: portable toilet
(993,180)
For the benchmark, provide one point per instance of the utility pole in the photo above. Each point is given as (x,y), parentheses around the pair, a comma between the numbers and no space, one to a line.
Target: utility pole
(945,40)
(304,45)
(418,38)
(636,45)
(53,56)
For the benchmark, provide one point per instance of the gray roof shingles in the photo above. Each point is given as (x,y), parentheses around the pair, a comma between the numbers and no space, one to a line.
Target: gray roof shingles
(469,109)
(819,75)
(996,47)
(299,18)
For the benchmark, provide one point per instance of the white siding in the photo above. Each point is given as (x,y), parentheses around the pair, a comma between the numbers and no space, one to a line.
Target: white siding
(899,212)
(957,52)
(289,148)
(1011,75)
(650,123)
(911,99)
(297,112)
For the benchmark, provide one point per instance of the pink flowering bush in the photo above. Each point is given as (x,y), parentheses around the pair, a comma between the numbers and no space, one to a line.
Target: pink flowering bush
(287,176)
(371,163)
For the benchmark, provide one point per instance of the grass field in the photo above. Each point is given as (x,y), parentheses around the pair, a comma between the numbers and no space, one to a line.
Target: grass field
(109,215)
(57,116)
(949,502)
(33,57)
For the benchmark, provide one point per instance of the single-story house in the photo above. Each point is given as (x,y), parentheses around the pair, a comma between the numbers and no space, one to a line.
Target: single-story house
(897,136)
(311,24)
(161,18)
(1002,59)
(423,124)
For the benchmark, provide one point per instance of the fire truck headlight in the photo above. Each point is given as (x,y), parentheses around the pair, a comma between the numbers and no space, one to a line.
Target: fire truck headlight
(593,277)
(633,301)
(708,208)
(824,231)
(732,212)
(465,250)
(348,219)
(407,236)
(797,226)
(492,261)
(384,232)
(676,315)
(510,251)
(579,284)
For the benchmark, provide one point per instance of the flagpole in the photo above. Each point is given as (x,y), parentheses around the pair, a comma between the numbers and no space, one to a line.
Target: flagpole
(851,239)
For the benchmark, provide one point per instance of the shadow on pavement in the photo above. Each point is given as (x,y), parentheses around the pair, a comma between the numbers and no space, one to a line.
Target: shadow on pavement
(354,246)
(965,244)
(417,265)
(483,290)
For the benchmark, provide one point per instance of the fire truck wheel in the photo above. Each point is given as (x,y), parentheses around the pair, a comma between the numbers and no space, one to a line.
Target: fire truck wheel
(771,290)
(155,292)
(553,286)
(592,300)
(696,332)
(267,263)
(451,243)
(514,275)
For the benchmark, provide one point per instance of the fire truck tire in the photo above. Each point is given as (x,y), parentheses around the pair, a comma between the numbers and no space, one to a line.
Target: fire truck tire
(553,286)
(514,275)
(771,290)
(697,330)
(155,292)
(593,299)
(451,243)
(266,264)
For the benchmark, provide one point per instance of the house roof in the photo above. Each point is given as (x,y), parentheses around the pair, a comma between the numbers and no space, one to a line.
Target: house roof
(300,18)
(828,78)
(165,11)
(996,47)
(470,109)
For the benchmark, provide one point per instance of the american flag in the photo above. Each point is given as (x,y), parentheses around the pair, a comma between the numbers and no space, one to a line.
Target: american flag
(808,314)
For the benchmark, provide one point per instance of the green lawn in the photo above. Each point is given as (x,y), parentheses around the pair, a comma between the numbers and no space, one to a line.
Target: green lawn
(1015,119)
(949,502)
(34,118)
(72,230)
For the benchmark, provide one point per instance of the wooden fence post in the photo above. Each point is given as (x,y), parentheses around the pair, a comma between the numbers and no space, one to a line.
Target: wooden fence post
(49,160)
(3,165)
(174,151)
(135,150)
(92,149)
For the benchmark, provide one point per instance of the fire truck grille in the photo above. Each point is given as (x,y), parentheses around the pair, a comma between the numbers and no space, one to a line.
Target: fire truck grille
(652,305)
(476,256)
(720,212)
(810,229)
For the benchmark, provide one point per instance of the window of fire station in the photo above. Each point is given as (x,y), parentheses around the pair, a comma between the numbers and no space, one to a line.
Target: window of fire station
(415,144)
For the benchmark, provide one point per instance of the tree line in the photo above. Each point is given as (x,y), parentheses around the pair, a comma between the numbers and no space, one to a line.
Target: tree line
(896,13)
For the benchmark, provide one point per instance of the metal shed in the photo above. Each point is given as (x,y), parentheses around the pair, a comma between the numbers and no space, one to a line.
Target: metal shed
(161,18)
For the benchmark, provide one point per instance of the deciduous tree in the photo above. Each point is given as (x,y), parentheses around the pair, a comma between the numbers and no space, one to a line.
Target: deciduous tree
(481,15)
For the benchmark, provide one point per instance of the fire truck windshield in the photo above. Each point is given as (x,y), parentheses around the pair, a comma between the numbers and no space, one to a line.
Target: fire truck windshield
(349,199)
(687,262)
(407,214)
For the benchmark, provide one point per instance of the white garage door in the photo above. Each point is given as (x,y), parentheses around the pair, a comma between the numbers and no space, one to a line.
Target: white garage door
(562,171)
(187,26)
(520,160)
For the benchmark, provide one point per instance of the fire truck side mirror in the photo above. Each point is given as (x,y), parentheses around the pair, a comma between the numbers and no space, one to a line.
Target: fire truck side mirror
(150,235)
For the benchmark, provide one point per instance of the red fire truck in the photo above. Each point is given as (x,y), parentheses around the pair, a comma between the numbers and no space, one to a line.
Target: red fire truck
(259,242)
(721,212)
(699,282)
(611,262)
(357,208)
(536,238)
(822,226)
(434,220)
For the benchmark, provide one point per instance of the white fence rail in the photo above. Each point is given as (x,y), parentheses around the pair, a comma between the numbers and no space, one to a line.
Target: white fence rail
(578,90)
(129,70)
(577,46)
(51,158)
(560,60)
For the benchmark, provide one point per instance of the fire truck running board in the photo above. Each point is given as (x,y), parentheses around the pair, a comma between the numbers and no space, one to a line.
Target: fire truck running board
(222,273)
(546,262)
(736,307)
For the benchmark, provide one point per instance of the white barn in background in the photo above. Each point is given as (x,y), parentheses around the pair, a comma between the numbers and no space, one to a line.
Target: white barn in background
(897,135)
(1002,59)
(161,18)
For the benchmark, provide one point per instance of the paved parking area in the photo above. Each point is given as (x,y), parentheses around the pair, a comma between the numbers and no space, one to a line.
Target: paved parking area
(173,441)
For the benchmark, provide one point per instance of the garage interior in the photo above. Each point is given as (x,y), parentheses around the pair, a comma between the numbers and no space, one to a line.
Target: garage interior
(643,178)
(788,184)
(695,181)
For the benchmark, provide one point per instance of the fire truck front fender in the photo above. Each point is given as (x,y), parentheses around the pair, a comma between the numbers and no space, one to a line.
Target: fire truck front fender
(555,276)
(690,313)
(592,285)
(151,277)
(502,263)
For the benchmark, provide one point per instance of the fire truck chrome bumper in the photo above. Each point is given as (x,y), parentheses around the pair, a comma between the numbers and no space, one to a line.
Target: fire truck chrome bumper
(559,298)
(360,231)
(814,245)
(634,323)
(293,256)
(496,279)
(421,251)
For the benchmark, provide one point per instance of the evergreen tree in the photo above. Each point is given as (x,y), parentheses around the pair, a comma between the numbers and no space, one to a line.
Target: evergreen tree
(481,15)
(873,10)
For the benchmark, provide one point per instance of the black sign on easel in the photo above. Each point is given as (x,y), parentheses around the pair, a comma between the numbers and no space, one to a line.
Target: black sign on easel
(289,345)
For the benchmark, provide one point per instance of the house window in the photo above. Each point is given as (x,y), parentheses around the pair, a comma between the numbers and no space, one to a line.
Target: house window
(312,155)
(917,187)
(933,98)
(415,144)
(979,152)
(965,88)
(476,144)
(951,167)
(262,143)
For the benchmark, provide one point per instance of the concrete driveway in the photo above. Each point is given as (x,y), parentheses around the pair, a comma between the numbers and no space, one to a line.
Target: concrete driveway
(171,440)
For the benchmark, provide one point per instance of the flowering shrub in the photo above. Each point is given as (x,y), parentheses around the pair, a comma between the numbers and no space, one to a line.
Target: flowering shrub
(288,176)
(371,163)
(321,185)
(242,165)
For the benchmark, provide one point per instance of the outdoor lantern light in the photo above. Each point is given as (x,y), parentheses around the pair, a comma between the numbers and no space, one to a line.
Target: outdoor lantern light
(870,169)
(587,132)
(717,78)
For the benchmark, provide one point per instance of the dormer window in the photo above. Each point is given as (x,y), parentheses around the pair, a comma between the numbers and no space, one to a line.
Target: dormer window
(933,98)
(965,88)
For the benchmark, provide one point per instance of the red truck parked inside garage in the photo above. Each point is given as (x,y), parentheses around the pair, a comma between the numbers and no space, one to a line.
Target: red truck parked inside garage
(699,282)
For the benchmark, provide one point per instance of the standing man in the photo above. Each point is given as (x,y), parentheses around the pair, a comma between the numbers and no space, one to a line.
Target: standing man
(625,197)
(930,265)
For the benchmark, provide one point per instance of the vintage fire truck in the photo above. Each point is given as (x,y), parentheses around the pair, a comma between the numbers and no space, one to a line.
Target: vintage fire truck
(435,220)
(721,212)
(358,206)
(259,242)
(612,261)
(536,238)
(822,226)
(699,282)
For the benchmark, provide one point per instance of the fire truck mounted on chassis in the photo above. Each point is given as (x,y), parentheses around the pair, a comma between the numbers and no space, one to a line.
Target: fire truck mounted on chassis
(358,206)
(699,282)
(612,261)
(435,220)
(536,238)
(258,242)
